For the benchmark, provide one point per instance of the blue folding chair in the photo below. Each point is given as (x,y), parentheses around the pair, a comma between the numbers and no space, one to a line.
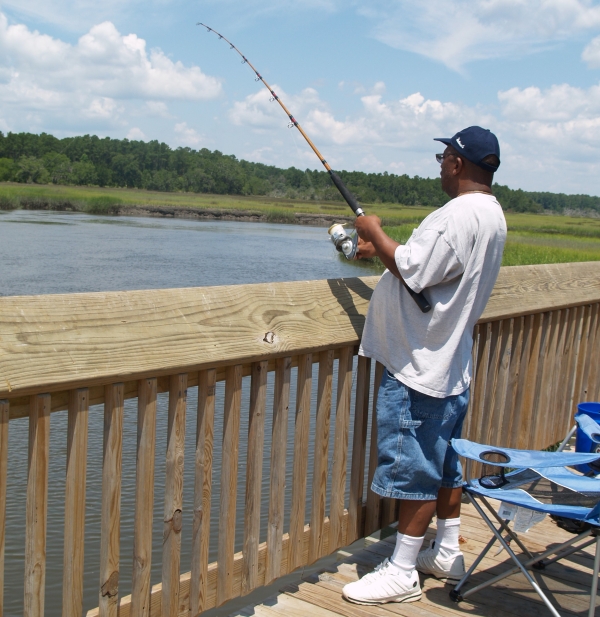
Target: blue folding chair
(542,482)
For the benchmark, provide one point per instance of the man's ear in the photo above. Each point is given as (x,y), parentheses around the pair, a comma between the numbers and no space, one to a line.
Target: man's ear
(458,166)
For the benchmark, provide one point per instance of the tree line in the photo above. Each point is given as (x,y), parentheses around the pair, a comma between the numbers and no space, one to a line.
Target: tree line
(95,161)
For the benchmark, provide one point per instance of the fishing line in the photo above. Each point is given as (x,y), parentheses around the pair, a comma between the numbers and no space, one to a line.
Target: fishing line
(343,242)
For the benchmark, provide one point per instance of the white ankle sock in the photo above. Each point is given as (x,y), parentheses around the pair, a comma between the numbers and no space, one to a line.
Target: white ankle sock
(446,540)
(405,553)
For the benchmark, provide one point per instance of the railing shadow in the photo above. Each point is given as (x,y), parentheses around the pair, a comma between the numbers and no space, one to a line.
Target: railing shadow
(341,289)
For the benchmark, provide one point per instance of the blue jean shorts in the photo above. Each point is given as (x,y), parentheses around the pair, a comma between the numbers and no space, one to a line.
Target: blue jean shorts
(413,433)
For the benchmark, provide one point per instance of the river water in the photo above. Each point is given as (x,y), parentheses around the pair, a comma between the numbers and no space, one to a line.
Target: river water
(53,252)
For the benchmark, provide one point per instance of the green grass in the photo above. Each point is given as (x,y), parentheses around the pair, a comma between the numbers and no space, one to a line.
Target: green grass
(532,238)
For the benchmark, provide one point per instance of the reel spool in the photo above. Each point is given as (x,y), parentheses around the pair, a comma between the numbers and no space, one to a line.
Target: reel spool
(345,242)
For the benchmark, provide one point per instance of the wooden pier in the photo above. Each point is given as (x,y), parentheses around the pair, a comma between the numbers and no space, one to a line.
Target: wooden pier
(536,354)
(567,583)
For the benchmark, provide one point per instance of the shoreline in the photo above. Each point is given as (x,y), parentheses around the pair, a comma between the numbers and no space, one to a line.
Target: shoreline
(207,214)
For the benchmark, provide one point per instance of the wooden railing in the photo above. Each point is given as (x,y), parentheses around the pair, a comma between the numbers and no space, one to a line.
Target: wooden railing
(243,352)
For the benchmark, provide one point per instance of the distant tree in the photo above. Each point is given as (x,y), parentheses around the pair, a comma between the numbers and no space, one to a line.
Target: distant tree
(8,169)
(31,169)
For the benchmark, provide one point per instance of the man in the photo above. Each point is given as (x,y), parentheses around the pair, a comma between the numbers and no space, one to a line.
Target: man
(454,257)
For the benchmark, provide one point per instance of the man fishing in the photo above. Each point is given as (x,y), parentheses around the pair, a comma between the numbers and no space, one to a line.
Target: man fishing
(455,254)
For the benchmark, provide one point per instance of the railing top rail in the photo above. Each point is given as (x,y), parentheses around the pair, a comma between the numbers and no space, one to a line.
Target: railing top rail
(55,342)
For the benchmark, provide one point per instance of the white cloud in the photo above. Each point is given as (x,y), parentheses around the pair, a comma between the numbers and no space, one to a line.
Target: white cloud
(99,77)
(187,136)
(456,32)
(136,134)
(591,54)
(550,139)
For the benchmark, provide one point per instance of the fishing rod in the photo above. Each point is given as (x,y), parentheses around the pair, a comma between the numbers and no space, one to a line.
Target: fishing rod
(345,243)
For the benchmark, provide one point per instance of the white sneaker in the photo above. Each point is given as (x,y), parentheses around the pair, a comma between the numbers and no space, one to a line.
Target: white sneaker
(429,562)
(385,584)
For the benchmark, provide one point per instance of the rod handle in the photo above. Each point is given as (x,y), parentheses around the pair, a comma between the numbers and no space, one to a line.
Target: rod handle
(346,194)
(419,298)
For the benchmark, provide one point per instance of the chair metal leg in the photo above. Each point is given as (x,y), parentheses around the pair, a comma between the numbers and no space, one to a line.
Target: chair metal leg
(510,532)
(594,589)
(565,441)
(518,564)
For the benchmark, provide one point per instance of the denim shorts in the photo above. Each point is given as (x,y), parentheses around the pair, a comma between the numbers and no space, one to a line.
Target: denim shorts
(413,433)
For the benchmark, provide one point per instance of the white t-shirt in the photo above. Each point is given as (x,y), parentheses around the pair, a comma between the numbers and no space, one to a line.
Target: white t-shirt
(454,256)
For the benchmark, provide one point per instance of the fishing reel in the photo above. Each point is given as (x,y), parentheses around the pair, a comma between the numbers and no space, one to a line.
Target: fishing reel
(345,241)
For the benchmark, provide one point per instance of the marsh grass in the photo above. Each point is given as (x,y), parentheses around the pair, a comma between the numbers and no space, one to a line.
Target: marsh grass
(532,238)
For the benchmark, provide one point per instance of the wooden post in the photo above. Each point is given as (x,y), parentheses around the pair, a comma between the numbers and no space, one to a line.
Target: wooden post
(37,505)
(372,517)
(278,452)
(202,490)
(110,535)
(144,498)
(254,466)
(319,484)
(173,495)
(4,417)
(340,449)
(359,444)
(230,452)
(77,437)
(302,426)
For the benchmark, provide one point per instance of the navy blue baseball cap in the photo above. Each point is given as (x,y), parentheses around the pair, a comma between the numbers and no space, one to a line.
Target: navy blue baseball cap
(474,143)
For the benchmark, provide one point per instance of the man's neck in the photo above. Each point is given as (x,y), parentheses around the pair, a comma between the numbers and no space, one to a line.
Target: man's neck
(470,186)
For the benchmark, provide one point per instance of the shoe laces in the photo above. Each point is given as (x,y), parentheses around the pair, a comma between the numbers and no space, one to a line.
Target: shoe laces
(380,570)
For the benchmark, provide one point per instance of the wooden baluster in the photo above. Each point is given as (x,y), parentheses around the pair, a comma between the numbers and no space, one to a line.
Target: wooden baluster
(231,440)
(277,484)
(592,345)
(594,376)
(497,416)
(37,505)
(77,437)
(559,421)
(110,535)
(144,498)
(359,444)
(173,495)
(537,412)
(302,427)
(521,420)
(583,334)
(340,449)
(512,412)
(202,490)
(471,412)
(4,417)
(254,466)
(372,518)
(319,484)
(478,391)
(570,363)
(527,379)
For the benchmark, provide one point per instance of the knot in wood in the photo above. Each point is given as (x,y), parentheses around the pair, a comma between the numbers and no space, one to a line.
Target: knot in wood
(111,587)
(177,521)
(269,338)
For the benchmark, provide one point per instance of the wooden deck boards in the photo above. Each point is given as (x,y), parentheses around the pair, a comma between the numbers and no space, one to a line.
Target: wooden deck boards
(567,583)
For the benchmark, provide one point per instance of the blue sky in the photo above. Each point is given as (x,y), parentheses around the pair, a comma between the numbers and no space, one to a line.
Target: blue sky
(371,81)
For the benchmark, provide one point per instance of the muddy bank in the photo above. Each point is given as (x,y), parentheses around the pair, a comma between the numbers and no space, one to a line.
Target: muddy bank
(205,214)
(214,214)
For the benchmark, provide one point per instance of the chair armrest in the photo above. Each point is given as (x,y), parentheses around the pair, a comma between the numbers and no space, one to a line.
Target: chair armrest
(520,459)
(588,426)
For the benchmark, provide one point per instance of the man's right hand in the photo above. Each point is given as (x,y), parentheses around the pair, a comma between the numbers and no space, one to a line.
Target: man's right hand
(365,249)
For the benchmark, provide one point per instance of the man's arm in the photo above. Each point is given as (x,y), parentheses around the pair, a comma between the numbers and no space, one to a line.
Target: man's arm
(370,232)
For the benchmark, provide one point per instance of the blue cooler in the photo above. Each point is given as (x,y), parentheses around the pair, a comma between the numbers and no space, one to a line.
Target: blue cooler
(582,442)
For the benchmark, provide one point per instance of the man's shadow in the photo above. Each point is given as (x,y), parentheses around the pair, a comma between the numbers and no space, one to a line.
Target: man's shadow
(341,289)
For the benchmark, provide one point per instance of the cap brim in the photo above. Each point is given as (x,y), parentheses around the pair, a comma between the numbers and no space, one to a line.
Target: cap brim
(444,140)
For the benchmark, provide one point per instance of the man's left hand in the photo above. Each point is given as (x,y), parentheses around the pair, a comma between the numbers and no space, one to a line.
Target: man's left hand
(368,227)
